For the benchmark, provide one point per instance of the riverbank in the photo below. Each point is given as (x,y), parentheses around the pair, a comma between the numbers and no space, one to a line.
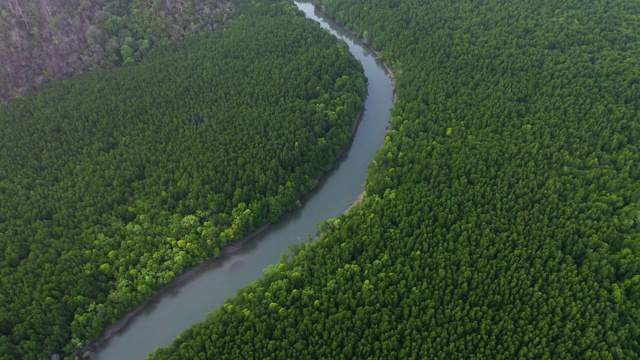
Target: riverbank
(111,330)
(388,69)
(390,72)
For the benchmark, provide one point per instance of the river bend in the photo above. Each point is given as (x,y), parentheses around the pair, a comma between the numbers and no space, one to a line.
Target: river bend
(187,302)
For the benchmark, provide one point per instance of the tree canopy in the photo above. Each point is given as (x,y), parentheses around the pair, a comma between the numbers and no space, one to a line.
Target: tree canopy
(502,215)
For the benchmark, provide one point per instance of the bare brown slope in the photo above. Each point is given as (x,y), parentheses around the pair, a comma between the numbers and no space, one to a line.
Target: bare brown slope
(43,40)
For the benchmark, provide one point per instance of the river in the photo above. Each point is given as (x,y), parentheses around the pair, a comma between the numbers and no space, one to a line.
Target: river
(187,302)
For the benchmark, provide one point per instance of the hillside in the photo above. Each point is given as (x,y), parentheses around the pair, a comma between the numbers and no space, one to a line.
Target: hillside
(44,40)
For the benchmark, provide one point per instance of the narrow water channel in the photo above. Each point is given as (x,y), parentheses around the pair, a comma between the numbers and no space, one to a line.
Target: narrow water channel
(187,302)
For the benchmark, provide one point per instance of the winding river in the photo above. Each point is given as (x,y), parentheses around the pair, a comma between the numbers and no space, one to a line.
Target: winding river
(188,301)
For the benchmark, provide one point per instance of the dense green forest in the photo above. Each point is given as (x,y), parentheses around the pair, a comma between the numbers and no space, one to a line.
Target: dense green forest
(41,40)
(115,182)
(501,218)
